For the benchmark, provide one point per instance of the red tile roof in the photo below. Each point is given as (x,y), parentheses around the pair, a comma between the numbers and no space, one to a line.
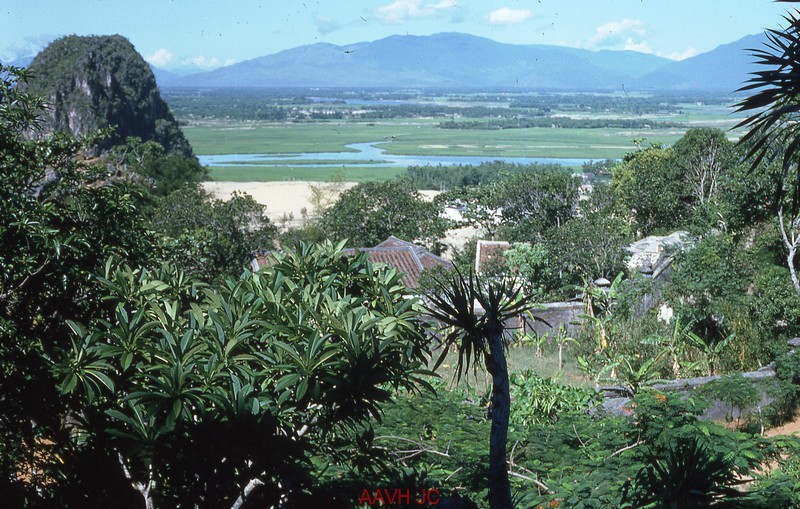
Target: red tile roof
(406,257)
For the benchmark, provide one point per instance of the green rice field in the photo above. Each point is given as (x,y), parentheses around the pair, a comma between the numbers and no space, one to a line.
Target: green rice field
(244,173)
(421,137)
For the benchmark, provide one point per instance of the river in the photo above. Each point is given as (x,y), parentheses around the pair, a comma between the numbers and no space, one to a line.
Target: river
(370,155)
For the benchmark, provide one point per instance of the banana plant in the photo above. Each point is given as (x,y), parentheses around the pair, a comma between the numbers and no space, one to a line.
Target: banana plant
(674,348)
(711,352)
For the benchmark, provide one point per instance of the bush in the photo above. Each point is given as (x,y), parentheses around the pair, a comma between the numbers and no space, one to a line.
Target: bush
(537,400)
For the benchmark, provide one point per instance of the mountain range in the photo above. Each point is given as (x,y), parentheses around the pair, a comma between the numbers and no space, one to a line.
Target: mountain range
(456,60)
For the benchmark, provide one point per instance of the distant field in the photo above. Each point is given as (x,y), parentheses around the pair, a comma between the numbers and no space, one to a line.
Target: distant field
(423,136)
(419,138)
(243,173)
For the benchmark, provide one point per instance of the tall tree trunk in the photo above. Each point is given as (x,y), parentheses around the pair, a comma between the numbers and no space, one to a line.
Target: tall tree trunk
(499,485)
(791,241)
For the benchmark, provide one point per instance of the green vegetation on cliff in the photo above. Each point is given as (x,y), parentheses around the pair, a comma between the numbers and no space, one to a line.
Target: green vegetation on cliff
(94,82)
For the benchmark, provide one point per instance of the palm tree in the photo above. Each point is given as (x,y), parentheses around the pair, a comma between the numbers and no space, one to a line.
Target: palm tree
(479,336)
(773,130)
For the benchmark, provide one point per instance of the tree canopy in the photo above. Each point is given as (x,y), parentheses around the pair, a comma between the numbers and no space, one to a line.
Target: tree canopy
(369,213)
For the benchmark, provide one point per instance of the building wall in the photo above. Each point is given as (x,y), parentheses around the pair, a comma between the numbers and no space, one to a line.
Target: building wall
(557,314)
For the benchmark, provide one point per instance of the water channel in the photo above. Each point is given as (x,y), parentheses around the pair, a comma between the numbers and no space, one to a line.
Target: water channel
(368,154)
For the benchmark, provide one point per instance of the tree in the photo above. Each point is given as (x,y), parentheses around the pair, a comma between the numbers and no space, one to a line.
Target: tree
(60,219)
(790,233)
(479,336)
(589,247)
(709,281)
(522,206)
(160,171)
(704,155)
(652,189)
(369,213)
(211,238)
(535,201)
(773,130)
(218,396)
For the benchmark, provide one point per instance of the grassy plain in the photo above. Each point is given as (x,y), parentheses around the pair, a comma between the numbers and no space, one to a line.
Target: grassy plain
(418,138)
(520,358)
(245,173)
(424,137)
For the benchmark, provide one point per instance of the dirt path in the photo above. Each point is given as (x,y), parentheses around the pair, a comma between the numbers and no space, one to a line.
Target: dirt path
(790,428)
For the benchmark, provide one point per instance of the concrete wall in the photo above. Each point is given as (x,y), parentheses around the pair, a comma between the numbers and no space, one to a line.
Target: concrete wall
(557,314)
(616,397)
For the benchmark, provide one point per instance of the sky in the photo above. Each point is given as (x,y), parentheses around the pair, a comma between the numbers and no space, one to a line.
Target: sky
(205,34)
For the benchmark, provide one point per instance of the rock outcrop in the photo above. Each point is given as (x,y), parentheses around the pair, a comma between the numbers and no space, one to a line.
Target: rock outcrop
(94,82)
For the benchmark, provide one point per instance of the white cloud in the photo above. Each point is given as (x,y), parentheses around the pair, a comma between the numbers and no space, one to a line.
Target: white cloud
(630,34)
(614,32)
(27,47)
(690,52)
(508,16)
(161,58)
(640,46)
(167,60)
(202,61)
(400,11)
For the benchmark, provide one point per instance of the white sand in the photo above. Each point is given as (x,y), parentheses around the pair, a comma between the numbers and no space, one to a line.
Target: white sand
(281,198)
(289,199)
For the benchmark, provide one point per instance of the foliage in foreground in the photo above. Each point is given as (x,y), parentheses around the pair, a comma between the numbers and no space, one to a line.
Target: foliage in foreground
(276,366)
(591,460)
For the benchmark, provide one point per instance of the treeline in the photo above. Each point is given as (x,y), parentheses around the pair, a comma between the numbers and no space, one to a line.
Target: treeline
(635,105)
(502,108)
(451,177)
(558,122)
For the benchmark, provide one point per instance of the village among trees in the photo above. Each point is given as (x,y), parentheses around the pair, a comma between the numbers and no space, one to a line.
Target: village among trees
(161,348)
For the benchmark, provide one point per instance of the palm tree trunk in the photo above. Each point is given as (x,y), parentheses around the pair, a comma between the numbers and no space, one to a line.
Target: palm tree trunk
(499,485)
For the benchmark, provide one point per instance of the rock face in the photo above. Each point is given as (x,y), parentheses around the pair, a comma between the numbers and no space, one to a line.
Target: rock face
(94,82)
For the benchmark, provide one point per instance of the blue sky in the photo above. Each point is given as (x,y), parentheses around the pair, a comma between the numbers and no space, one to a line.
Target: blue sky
(176,34)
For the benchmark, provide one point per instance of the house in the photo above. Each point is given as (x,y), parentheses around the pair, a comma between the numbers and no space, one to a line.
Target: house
(489,253)
(406,257)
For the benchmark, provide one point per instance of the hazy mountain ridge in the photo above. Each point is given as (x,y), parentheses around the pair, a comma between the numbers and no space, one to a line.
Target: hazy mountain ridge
(455,60)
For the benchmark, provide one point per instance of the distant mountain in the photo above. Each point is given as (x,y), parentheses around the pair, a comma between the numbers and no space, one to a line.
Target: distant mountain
(724,68)
(441,60)
(629,63)
(455,60)
(163,77)
(93,82)
(22,61)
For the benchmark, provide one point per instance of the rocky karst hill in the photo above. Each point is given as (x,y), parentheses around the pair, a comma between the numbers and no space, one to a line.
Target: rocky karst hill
(99,81)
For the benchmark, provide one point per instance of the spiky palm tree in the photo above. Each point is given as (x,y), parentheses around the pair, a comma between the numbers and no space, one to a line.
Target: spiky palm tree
(773,128)
(478,310)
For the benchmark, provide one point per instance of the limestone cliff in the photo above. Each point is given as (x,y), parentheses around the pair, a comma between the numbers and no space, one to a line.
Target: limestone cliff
(99,81)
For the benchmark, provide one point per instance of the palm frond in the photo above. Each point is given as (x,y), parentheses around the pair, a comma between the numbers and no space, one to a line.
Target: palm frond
(773,128)
(453,303)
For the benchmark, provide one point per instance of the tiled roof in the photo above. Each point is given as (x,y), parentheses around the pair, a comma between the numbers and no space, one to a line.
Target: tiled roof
(406,257)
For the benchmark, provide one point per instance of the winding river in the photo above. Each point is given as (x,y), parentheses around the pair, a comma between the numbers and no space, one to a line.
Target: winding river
(366,155)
